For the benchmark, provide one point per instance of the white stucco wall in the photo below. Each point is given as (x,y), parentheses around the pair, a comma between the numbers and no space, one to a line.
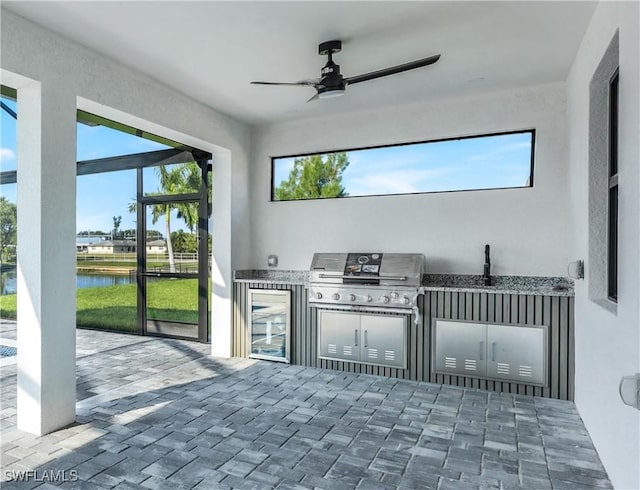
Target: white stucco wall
(107,88)
(527,228)
(608,345)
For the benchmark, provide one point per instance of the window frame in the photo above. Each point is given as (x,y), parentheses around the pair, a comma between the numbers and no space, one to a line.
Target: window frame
(613,191)
(531,131)
(599,179)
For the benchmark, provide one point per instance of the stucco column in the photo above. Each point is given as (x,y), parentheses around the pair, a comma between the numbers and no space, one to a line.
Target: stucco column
(46,142)
(221,274)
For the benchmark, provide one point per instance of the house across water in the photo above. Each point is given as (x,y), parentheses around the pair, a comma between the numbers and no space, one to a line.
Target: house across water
(122,246)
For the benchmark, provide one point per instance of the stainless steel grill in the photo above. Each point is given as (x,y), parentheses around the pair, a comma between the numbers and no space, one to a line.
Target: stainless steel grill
(366,281)
(379,291)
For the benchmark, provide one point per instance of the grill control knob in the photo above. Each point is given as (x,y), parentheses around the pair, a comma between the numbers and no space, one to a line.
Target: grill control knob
(319,295)
(406,300)
(352,297)
(369,299)
(336,296)
(385,299)
(394,295)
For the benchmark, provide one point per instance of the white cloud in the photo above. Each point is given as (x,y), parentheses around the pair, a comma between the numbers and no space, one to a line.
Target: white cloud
(7,155)
(372,160)
(395,182)
(500,150)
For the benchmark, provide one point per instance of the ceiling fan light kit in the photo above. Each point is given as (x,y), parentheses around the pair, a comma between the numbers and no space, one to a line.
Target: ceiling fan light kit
(331,82)
(327,94)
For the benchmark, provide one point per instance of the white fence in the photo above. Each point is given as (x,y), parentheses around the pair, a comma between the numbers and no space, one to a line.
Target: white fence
(131,257)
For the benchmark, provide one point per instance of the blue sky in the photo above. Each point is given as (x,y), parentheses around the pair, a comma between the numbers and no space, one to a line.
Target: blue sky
(473,163)
(99,196)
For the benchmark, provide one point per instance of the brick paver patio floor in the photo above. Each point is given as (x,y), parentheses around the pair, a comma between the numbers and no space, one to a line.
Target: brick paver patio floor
(160,413)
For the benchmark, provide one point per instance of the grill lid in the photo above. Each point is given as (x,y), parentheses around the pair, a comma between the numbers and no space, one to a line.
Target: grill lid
(368,268)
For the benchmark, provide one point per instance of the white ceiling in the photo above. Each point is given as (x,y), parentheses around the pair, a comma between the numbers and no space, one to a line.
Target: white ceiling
(212,50)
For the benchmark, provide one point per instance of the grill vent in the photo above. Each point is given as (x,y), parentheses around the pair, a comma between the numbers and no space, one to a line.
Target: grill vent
(389,355)
(347,350)
(526,371)
(372,353)
(503,368)
(470,365)
(332,348)
(450,362)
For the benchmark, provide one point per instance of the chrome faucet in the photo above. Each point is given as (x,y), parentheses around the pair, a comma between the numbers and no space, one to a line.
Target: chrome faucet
(486,276)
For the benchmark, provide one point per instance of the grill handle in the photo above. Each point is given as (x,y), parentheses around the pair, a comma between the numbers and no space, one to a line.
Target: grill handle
(364,278)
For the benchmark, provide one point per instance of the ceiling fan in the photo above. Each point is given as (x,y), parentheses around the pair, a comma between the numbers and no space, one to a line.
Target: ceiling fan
(331,82)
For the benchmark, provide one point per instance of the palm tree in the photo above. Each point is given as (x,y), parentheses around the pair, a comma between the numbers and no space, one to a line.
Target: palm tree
(191,178)
(170,182)
(182,179)
(192,181)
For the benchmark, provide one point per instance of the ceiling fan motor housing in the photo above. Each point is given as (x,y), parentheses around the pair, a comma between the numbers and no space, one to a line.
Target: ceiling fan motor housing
(329,47)
(330,75)
(331,81)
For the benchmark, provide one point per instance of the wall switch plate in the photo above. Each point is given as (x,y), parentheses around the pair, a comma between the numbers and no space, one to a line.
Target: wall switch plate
(272,260)
(576,269)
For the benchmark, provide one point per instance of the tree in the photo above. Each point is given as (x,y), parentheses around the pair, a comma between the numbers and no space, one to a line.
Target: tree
(184,242)
(116,226)
(153,235)
(314,176)
(181,179)
(192,178)
(128,234)
(8,230)
(188,211)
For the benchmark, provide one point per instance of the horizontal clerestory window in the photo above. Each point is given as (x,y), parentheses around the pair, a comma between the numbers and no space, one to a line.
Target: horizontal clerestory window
(494,161)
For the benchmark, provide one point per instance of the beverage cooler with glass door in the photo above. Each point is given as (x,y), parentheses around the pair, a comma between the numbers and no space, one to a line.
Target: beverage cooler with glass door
(269,324)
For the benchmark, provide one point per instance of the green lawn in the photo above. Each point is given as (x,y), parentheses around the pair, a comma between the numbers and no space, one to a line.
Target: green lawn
(114,307)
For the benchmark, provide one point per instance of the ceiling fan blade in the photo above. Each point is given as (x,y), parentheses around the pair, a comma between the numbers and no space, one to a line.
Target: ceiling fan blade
(280,83)
(300,83)
(310,81)
(315,97)
(392,70)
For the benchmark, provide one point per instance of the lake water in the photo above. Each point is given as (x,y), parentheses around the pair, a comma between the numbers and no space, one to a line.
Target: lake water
(83,280)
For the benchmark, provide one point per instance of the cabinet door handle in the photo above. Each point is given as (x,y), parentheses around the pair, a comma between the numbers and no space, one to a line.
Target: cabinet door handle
(365,339)
(482,350)
(493,351)
(355,338)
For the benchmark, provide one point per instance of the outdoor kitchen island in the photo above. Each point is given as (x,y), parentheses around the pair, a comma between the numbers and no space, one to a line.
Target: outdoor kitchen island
(541,304)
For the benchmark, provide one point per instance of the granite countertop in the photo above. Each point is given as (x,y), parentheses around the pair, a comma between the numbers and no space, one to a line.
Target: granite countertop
(471,283)
(271,276)
(465,283)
